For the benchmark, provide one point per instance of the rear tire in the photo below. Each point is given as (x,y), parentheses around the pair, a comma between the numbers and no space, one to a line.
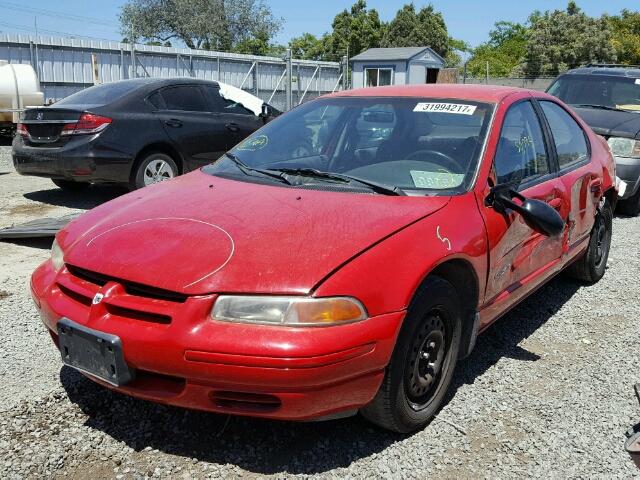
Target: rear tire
(631,205)
(591,266)
(423,361)
(70,185)
(155,167)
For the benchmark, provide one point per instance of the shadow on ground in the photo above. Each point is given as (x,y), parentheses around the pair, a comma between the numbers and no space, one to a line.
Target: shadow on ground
(267,447)
(84,199)
(43,243)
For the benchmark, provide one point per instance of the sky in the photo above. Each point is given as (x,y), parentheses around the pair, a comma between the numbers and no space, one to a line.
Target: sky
(468,20)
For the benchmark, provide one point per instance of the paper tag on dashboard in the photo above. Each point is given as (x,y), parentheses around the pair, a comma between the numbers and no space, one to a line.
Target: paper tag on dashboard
(457,108)
(637,81)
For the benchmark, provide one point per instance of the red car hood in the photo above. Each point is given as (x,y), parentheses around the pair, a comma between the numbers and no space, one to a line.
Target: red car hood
(200,234)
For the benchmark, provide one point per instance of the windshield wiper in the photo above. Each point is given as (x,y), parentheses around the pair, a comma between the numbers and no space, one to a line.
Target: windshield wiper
(602,107)
(375,186)
(246,169)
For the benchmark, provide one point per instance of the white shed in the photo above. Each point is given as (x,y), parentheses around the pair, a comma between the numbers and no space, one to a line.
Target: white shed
(395,66)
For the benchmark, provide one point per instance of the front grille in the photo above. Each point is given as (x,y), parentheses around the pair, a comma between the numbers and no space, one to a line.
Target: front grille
(130,287)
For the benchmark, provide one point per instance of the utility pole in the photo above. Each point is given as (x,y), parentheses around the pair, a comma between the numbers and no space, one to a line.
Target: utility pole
(134,66)
(289,69)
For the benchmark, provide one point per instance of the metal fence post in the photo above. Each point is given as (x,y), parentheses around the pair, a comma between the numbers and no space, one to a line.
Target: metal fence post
(287,58)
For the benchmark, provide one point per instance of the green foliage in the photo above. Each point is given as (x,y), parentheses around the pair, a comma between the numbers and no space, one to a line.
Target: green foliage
(354,30)
(626,36)
(504,51)
(309,47)
(416,29)
(227,25)
(563,39)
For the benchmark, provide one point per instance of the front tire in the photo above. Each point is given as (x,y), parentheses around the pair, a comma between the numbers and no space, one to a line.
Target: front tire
(70,185)
(591,266)
(423,361)
(155,167)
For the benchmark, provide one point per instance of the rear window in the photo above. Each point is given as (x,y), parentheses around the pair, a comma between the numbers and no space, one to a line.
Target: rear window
(100,94)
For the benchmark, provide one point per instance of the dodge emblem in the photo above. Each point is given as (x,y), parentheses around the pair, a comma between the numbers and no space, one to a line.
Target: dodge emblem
(97,299)
(39,116)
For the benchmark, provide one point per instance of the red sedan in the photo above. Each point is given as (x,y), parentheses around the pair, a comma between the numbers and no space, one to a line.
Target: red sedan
(343,258)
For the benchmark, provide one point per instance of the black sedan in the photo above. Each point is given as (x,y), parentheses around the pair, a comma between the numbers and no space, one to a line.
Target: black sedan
(135,132)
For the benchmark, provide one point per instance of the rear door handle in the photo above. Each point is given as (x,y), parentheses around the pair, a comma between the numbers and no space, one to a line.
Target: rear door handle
(233,127)
(173,122)
(555,203)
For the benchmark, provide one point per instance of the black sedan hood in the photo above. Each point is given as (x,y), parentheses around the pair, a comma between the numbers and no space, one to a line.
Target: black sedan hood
(611,123)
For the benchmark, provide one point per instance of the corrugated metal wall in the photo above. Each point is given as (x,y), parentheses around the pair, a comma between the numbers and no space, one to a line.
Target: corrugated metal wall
(64,66)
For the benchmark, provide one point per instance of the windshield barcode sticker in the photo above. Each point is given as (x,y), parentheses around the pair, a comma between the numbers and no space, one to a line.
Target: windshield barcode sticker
(458,108)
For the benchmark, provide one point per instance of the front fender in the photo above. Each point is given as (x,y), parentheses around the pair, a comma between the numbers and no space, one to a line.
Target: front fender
(386,277)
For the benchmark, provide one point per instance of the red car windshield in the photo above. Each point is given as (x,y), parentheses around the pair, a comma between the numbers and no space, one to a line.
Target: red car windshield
(410,143)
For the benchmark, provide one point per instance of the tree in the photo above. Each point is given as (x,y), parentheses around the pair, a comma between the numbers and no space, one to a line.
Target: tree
(308,47)
(354,30)
(207,24)
(560,40)
(626,36)
(416,29)
(504,51)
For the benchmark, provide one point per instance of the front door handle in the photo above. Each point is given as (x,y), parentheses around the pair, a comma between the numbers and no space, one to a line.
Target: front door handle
(173,122)
(232,127)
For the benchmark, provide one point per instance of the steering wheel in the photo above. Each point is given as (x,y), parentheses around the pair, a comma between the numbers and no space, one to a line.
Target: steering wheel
(451,164)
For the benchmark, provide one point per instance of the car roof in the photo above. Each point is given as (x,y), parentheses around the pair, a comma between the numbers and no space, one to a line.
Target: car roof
(632,71)
(482,93)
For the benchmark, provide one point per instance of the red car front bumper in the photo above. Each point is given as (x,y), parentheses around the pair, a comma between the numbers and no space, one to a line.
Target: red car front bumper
(181,357)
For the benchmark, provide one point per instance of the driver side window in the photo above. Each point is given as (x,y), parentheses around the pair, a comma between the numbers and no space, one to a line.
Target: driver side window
(521,153)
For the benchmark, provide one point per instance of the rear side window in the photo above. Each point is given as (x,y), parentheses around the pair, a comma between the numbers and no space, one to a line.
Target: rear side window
(186,98)
(155,99)
(568,137)
(521,154)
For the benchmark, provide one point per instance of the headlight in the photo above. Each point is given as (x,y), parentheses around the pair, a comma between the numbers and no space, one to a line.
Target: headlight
(56,256)
(292,311)
(624,147)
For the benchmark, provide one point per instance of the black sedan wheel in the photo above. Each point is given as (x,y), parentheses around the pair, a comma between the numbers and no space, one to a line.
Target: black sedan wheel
(156,167)
(423,361)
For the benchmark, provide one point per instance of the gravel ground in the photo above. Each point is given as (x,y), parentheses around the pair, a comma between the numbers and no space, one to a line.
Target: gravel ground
(547,392)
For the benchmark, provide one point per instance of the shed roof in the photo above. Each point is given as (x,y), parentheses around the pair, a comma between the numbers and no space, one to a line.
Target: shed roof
(393,53)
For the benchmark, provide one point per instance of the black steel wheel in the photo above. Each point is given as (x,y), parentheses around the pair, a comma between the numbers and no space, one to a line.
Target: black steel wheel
(424,358)
(590,267)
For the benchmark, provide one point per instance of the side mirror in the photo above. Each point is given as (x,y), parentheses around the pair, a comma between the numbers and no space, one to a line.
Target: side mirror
(540,216)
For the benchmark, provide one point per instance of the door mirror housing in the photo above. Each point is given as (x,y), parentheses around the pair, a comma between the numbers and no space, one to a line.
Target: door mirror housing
(266,112)
(539,215)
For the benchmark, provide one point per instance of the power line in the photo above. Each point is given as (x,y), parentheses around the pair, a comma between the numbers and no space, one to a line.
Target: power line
(53,32)
(52,13)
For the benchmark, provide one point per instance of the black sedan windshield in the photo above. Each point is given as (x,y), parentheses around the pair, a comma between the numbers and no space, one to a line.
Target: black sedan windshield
(621,93)
(386,144)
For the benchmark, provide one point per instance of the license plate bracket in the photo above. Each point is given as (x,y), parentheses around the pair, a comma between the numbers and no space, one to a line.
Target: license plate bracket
(90,351)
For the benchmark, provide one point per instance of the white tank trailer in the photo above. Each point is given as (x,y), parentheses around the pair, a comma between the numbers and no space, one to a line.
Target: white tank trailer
(19,89)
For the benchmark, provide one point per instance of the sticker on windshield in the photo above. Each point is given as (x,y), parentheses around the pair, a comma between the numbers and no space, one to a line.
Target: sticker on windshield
(254,143)
(440,180)
(458,108)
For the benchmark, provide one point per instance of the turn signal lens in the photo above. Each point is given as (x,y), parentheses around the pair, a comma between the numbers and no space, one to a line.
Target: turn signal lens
(290,311)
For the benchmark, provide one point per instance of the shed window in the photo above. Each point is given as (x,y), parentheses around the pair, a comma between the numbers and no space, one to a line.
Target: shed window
(378,77)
